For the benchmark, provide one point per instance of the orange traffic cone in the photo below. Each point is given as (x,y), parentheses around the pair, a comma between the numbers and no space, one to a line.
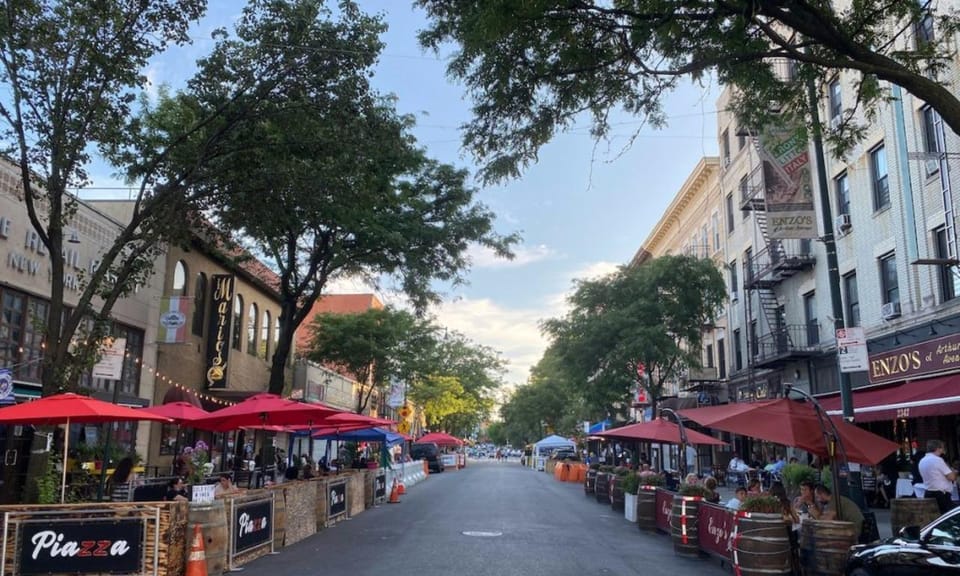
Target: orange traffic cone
(401,489)
(394,496)
(197,560)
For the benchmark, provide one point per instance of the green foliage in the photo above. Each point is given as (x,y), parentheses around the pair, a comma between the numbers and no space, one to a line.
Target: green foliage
(533,68)
(650,479)
(794,474)
(651,314)
(48,483)
(631,483)
(621,471)
(761,504)
(606,468)
(595,466)
(693,490)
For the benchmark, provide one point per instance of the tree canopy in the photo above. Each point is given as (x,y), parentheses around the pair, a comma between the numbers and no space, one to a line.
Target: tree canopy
(639,326)
(532,67)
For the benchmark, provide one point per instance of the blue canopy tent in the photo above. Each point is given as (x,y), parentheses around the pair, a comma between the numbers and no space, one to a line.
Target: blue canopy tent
(365,435)
(599,427)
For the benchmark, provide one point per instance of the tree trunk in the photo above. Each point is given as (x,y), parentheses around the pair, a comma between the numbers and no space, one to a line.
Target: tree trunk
(281,354)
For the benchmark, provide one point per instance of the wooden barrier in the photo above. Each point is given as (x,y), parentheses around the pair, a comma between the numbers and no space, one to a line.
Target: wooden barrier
(321,485)
(762,546)
(212,519)
(301,510)
(824,546)
(354,493)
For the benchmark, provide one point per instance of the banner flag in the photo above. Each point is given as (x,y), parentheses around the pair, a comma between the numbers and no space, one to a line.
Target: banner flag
(174,312)
(787,186)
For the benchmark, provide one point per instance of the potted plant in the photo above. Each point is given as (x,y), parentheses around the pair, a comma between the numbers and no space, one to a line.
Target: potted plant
(762,504)
(764,542)
(616,487)
(630,484)
(647,499)
(684,519)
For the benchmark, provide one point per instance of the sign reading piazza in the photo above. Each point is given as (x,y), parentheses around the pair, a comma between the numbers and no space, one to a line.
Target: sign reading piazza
(923,359)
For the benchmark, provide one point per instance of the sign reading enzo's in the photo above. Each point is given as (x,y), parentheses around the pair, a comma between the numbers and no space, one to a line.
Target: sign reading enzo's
(924,359)
(218,333)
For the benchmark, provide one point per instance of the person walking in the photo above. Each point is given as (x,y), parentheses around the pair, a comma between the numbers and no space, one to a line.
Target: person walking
(937,476)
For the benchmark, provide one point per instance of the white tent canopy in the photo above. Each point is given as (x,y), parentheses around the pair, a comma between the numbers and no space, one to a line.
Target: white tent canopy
(551,443)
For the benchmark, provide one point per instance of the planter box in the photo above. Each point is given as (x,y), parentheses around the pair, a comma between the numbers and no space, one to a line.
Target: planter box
(630,507)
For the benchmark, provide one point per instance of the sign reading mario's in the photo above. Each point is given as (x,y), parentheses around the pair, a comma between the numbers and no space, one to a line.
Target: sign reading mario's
(218,332)
(924,359)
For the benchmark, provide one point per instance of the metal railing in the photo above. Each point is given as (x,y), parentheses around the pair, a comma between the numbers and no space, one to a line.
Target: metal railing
(788,341)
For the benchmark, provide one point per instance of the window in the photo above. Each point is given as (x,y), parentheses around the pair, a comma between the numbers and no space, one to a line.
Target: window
(852,312)
(715,228)
(236,337)
(265,335)
(276,332)
(721,358)
(179,287)
(810,318)
(754,339)
(710,356)
(725,143)
(878,171)
(744,191)
(199,304)
(930,143)
(741,138)
(130,375)
(948,274)
(32,356)
(252,330)
(737,351)
(836,101)
(945,533)
(889,283)
(842,188)
(704,242)
(924,25)
(734,281)
(748,265)
(12,317)
(730,219)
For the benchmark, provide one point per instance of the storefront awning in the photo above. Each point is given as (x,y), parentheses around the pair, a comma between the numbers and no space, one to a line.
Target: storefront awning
(914,399)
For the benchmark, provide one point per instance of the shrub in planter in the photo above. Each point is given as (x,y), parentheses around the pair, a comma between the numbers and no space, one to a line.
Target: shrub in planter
(631,482)
(650,479)
(762,504)
(606,468)
(693,490)
(621,471)
(794,474)
(595,466)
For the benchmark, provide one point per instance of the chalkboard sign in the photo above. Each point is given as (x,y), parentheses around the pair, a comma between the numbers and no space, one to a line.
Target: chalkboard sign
(88,546)
(380,486)
(337,499)
(252,525)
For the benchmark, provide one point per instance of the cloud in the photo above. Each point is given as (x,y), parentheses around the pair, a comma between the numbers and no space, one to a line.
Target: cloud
(483,257)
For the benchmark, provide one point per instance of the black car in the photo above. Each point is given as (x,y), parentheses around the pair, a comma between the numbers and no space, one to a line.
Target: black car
(430,452)
(933,549)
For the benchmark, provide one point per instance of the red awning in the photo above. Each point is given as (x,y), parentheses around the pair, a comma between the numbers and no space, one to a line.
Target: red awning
(917,398)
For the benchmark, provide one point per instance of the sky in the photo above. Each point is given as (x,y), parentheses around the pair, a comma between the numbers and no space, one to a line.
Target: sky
(582,210)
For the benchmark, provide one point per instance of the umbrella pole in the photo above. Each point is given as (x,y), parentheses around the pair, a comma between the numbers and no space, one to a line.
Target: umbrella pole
(63,478)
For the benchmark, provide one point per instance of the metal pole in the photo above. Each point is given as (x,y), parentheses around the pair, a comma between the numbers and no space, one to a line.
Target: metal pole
(683,442)
(106,445)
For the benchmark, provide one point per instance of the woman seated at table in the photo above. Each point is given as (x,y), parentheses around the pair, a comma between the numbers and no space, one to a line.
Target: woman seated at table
(225,486)
(122,481)
(176,491)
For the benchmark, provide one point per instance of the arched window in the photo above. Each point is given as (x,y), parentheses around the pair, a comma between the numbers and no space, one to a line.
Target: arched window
(237,321)
(276,332)
(179,287)
(252,330)
(265,335)
(199,303)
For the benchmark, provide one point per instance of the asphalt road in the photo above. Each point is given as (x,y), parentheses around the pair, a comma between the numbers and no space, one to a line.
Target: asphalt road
(523,523)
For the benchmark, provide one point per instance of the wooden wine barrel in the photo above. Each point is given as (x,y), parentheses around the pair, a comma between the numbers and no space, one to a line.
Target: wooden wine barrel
(683,525)
(647,508)
(824,546)
(912,512)
(590,482)
(602,487)
(212,519)
(616,493)
(762,545)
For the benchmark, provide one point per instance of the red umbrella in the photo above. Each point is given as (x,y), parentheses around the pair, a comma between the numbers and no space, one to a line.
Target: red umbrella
(69,409)
(265,410)
(659,430)
(441,439)
(179,412)
(792,423)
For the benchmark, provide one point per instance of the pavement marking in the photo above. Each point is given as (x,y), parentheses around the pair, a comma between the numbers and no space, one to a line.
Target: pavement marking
(481,533)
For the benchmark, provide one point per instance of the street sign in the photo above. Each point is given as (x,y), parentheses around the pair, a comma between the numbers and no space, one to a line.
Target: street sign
(852,349)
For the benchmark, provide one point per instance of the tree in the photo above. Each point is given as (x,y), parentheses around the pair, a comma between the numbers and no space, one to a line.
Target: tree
(533,67)
(333,183)
(638,320)
(374,346)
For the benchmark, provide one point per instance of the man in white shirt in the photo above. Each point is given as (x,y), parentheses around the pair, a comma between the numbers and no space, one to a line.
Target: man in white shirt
(937,476)
(737,470)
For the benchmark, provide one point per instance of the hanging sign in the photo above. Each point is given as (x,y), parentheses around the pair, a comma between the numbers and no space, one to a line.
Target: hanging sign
(337,500)
(110,366)
(396,397)
(6,387)
(218,334)
(87,546)
(174,312)
(786,182)
(852,349)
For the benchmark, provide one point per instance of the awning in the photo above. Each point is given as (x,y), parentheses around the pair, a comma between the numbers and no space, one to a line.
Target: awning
(914,399)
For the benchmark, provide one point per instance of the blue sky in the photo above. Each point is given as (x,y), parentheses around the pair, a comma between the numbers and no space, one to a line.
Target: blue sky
(581,210)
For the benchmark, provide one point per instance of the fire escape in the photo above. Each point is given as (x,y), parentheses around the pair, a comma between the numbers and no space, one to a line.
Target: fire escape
(772,342)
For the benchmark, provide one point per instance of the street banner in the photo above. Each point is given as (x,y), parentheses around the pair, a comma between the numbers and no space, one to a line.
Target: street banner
(174,312)
(787,187)
(6,387)
(395,399)
(110,366)
(714,529)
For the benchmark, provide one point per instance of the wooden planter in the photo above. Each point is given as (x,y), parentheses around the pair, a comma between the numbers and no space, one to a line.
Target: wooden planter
(762,545)
(602,487)
(683,525)
(647,508)
(590,482)
(824,546)
(616,493)
(912,512)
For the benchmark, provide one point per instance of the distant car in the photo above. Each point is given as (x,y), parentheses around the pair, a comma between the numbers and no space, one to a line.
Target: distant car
(933,549)
(564,454)
(430,452)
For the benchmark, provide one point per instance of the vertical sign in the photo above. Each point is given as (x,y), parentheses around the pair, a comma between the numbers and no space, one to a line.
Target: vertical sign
(786,183)
(218,334)
(852,349)
(337,499)
(110,365)
(6,387)
(253,525)
(396,397)
(173,319)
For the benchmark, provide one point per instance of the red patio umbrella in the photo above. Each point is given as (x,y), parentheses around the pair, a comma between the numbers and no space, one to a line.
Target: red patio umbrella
(266,410)
(69,409)
(179,412)
(659,430)
(441,439)
(792,423)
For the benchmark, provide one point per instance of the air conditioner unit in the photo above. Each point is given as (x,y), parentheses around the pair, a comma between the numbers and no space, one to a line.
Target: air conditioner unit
(842,223)
(835,122)
(890,310)
(932,165)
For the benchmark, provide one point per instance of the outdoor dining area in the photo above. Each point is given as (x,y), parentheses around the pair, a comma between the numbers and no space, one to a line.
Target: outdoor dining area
(763,531)
(151,529)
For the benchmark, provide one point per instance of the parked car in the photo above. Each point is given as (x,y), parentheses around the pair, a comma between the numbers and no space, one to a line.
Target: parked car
(430,452)
(933,549)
